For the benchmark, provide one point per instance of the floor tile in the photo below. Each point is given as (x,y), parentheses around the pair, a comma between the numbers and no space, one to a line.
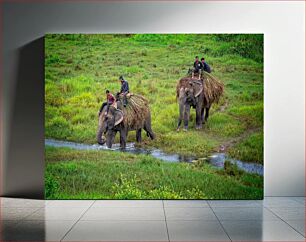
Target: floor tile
(244,214)
(69,203)
(300,200)
(185,203)
(21,203)
(57,213)
(128,203)
(16,213)
(124,213)
(189,214)
(281,202)
(298,225)
(261,231)
(288,213)
(196,231)
(118,231)
(39,230)
(235,203)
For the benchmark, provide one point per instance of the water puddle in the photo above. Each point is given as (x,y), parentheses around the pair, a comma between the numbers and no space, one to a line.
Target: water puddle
(216,159)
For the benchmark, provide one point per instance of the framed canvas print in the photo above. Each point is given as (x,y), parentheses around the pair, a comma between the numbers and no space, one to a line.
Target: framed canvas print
(154,116)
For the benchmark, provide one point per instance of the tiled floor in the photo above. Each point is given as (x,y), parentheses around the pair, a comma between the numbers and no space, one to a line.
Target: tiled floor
(274,219)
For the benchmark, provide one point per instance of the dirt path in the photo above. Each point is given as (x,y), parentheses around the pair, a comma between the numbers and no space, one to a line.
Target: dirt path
(231,142)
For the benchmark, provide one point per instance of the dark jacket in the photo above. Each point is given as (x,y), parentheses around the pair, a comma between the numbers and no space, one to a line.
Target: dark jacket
(198,65)
(206,67)
(124,87)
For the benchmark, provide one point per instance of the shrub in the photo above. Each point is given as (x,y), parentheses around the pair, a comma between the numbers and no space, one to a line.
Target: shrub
(52,59)
(51,186)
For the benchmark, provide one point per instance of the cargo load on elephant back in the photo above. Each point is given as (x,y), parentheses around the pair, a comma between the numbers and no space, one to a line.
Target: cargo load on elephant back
(119,118)
(137,109)
(213,88)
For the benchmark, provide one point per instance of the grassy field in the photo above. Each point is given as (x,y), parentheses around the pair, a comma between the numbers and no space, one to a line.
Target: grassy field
(79,68)
(74,174)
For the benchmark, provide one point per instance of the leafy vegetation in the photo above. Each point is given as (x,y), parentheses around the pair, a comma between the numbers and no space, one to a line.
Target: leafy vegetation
(78,70)
(250,149)
(118,175)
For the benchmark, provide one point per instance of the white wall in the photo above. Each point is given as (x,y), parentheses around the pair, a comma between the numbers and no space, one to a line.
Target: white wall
(283,24)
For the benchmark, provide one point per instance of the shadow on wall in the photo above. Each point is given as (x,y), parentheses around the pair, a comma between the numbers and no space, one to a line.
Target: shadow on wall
(25,150)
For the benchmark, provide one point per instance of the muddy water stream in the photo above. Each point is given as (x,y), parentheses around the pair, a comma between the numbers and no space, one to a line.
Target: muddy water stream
(215,159)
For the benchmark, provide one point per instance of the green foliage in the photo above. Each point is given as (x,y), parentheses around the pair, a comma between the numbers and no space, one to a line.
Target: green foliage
(250,149)
(52,59)
(118,175)
(231,169)
(244,45)
(225,125)
(252,115)
(51,186)
(79,68)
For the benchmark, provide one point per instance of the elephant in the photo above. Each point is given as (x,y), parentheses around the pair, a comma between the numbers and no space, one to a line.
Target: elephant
(123,119)
(191,94)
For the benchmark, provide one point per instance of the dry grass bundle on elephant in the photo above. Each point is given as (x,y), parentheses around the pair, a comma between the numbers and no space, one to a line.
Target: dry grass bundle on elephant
(199,94)
(135,116)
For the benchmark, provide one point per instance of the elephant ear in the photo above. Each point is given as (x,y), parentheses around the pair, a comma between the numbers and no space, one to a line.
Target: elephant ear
(118,117)
(198,88)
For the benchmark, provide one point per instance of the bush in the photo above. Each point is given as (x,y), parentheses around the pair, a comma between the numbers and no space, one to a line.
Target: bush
(232,169)
(52,59)
(245,45)
(51,186)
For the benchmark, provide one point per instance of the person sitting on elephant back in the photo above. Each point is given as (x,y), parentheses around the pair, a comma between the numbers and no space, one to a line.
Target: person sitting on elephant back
(124,89)
(197,67)
(110,99)
(205,66)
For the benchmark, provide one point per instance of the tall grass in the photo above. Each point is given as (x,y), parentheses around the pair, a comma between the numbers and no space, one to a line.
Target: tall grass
(79,68)
(114,175)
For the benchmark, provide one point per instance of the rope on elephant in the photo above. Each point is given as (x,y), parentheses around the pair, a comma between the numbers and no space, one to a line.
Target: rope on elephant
(136,110)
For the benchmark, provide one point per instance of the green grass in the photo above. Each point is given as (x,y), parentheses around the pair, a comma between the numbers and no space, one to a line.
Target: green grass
(78,70)
(74,174)
(249,149)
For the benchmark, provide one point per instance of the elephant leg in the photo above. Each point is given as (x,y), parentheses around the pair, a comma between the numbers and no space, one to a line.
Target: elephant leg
(181,116)
(123,136)
(186,116)
(202,115)
(149,131)
(198,117)
(111,134)
(206,114)
(138,135)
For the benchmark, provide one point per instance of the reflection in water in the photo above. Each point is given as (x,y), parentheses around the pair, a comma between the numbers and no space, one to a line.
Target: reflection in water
(216,159)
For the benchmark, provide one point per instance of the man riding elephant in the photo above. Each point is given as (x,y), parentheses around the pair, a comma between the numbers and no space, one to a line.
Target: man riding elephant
(197,67)
(110,100)
(124,89)
(123,119)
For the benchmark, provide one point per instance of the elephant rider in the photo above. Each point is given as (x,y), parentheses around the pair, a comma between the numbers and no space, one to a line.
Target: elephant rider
(124,89)
(205,66)
(110,100)
(197,67)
